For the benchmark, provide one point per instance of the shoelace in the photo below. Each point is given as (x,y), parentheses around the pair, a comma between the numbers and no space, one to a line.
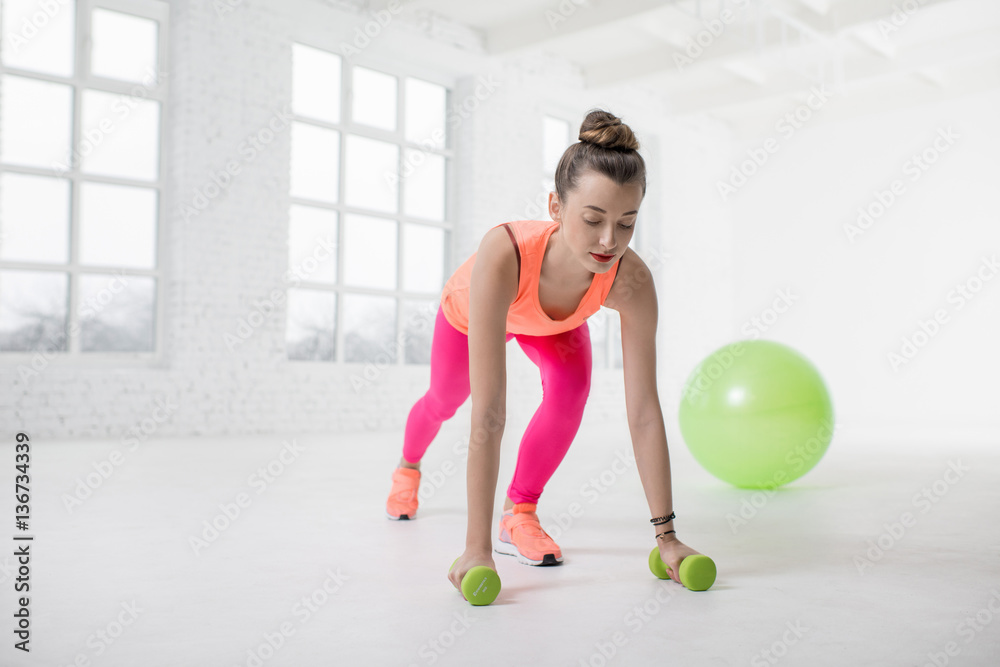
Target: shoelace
(532,526)
(405,494)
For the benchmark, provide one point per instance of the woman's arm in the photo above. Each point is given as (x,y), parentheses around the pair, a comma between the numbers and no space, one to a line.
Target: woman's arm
(634,297)
(492,288)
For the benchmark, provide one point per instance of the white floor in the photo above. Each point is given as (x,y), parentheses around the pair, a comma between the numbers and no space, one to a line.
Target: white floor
(312,566)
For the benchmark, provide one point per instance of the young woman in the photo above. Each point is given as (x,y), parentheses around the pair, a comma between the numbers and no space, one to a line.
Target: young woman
(538,282)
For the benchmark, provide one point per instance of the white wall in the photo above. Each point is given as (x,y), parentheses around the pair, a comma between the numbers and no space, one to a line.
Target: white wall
(230,74)
(855,301)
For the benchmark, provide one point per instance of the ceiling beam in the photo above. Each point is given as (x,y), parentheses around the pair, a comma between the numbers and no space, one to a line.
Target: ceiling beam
(970,49)
(561,19)
(845,15)
(891,96)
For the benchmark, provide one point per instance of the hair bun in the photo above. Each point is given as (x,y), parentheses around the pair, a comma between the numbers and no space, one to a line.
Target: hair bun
(604,129)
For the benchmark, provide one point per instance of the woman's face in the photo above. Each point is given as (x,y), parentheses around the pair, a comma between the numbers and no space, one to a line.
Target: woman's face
(598,220)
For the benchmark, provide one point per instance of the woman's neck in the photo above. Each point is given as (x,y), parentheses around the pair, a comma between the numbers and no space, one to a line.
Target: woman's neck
(565,267)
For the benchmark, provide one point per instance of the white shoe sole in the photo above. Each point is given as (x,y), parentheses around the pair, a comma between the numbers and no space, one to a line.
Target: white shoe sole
(508,549)
(400,517)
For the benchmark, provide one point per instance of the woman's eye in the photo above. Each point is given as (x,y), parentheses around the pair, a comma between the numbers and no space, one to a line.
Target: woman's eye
(626,226)
(592,222)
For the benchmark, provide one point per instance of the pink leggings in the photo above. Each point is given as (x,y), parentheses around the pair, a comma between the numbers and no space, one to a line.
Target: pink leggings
(564,361)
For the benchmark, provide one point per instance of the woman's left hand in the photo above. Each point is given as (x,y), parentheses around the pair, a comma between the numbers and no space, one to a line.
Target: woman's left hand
(673,551)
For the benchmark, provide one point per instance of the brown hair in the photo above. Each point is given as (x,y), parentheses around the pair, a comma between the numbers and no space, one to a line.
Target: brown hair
(606,146)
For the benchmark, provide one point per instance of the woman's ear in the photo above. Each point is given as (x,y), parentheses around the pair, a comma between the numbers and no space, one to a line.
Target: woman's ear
(555,208)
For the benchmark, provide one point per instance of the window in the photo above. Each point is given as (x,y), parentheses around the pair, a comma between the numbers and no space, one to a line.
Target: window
(605,324)
(80,176)
(369,182)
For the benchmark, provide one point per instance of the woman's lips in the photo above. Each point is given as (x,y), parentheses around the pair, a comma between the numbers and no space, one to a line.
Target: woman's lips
(602,258)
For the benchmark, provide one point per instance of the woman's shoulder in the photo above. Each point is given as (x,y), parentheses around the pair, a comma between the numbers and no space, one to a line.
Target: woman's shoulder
(631,277)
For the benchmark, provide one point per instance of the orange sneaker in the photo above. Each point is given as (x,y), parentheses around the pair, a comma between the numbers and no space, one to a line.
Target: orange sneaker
(402,503)
(522,536)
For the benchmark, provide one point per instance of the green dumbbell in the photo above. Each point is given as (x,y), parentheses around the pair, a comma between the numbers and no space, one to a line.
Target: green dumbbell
(480,585)
(697,572)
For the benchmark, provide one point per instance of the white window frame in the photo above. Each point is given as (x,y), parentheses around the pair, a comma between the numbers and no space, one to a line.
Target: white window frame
(612,334)
(81,80)
(345,127)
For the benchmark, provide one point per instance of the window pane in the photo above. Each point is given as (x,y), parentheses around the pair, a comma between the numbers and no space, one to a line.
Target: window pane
(598,325)
(555,138)
(34,218)
(424,185)
(374,97)
(312,244)
(117,313)
(369,328)
(310,332)
(615,333)
(372,174)
(121,136)
(33,311)
(418,330)
(370,252)
(315,83)
(41,41)
(425,113)
(423,258)
(315,162)
(35,122)
(117,226)
(123,46)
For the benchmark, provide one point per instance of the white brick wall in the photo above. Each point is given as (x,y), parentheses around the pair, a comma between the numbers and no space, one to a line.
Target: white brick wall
(231,74)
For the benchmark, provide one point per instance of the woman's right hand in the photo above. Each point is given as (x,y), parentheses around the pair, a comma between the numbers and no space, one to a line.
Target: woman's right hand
(468,560)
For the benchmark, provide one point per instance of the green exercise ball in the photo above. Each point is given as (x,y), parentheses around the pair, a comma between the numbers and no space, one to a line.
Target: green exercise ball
(756,414)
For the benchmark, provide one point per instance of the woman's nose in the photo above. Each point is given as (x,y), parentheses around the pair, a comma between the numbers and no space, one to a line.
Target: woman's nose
(608,240)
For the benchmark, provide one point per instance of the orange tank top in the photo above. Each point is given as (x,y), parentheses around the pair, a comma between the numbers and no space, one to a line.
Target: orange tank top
(525,315)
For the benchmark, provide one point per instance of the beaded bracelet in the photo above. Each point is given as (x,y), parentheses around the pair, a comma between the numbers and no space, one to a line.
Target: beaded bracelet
(662,519)
(666,532)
